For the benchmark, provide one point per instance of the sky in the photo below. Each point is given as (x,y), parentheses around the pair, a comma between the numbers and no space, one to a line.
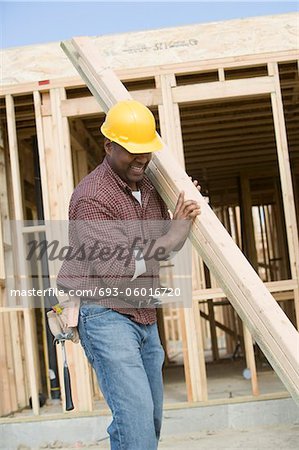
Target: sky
(27,23)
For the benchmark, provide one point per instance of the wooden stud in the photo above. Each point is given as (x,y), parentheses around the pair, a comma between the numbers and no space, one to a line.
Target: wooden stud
(190,319)
(31,345)
(57,182)
(250,360)
(19,378)
(286,180)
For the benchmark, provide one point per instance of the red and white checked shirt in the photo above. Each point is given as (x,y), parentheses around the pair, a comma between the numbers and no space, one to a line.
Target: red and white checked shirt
(103,210)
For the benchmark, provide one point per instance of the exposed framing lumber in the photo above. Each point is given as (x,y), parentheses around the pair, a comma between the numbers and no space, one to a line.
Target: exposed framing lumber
(145,72)
(286,180)
(18,215)
(84,140)
(223,89)
(150,97)
(266,321)
(2,265)
(194,362)
(76,107)
(57,186)
(220,325)
(272,286)
(18,363)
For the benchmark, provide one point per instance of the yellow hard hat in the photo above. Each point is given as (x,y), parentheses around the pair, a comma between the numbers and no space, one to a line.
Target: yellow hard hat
(132,125)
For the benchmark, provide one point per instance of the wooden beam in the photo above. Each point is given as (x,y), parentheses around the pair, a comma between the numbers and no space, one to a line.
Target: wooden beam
(272,286)
(286,180)
(223,89)
(85,139)
(19,216)
(84,106)
(269,326)
(19,376)
(193,351)
(220,325)
(57,186)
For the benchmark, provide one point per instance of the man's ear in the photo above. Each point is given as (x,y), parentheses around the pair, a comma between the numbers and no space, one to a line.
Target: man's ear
(108,145)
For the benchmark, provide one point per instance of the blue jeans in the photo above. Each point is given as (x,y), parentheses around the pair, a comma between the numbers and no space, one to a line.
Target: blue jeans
(127,358)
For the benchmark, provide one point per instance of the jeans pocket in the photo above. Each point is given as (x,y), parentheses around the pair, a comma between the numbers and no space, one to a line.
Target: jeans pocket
(84,341)
(92,311)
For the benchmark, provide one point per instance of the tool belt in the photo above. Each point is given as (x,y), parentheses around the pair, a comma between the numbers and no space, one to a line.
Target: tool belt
(63,318)
(150,302)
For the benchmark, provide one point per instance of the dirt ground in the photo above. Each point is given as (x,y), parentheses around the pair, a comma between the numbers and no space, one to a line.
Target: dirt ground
(282,437)
(279,437)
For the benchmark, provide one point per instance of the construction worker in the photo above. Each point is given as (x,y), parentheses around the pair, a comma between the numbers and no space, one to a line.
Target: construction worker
(118,325)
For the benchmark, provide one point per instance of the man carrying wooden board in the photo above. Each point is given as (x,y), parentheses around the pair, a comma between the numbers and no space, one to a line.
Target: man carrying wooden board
(118,216)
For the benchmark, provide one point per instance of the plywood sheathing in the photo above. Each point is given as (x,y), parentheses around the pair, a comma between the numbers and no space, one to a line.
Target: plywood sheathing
(169,46)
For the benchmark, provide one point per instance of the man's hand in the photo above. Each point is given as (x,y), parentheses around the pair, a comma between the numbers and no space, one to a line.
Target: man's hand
(183,216)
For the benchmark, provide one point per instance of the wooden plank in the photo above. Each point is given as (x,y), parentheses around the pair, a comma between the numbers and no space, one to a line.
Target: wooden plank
(286,181)
(272,286)
(19,375)
(212,321)
(31,344)
(81,382)
(6,406)
(2,265)
(250,360)
(84,141)
(41,151)
(169,116)
(269,326)
(62,147)
(194,367)
(248,237)
(189,318)
(9,366)
(226,90)
(221,74)
(57,183)
(221,326)
(88,105)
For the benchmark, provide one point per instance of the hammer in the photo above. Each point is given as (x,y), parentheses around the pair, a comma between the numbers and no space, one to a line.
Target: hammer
(61,338)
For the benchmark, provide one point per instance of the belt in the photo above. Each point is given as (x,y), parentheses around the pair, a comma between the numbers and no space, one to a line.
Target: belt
(144,303)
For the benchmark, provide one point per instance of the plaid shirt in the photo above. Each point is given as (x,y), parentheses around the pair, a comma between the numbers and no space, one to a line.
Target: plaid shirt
(104,211)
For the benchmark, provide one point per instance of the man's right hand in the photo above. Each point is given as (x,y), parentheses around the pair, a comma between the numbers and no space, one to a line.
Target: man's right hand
(183,216)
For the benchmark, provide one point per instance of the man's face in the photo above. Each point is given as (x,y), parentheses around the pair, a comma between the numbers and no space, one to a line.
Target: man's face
(128,166)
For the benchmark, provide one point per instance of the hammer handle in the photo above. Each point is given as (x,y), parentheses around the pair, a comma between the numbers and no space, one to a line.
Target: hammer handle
(67,381)
(69,406)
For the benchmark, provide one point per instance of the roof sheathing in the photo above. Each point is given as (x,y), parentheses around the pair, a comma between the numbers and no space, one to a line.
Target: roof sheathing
(210,41)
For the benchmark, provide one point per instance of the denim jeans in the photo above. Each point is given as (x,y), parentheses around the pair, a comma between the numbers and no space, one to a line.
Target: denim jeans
(127,358)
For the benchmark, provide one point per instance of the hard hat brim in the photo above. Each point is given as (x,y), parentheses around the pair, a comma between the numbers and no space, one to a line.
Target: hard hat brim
(136,148)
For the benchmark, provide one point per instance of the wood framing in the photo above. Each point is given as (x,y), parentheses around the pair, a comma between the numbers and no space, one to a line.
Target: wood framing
(266,321)
(32,372)
(194,363)
(57,184)
(228,115)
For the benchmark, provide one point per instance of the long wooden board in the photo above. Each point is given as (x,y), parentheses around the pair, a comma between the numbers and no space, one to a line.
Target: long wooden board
(267,323)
